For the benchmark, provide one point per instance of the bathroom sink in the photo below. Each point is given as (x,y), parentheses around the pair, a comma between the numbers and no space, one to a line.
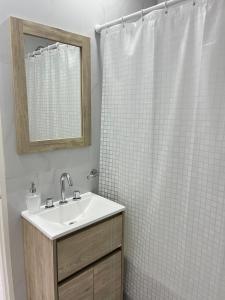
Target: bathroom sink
(62,219)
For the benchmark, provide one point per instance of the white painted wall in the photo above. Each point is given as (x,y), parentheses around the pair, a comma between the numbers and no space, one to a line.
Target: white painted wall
(31,43)
(73,15)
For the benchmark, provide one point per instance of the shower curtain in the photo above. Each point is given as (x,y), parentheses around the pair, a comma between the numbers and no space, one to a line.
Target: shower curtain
(163,149)
(54,93)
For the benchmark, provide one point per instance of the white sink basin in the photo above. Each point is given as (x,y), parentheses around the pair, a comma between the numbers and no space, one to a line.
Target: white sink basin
(63,219)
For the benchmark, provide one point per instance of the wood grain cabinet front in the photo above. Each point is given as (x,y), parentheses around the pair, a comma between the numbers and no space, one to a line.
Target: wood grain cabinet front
(84,265)
(85,247)
(80,287)
(108,278)
(103,281)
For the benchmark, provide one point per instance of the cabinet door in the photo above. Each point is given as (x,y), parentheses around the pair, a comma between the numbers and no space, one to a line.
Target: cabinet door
(78,288)
(108,278)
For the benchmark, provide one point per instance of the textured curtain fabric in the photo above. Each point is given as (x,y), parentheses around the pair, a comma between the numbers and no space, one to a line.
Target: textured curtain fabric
(54,93)
(163,149)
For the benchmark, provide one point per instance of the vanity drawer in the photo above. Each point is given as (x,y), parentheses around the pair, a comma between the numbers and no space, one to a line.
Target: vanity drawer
(86,246)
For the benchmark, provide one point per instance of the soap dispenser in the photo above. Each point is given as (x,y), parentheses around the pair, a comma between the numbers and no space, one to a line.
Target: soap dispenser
(33,199)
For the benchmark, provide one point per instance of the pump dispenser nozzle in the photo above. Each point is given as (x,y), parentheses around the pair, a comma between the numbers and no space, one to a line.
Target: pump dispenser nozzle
(32,188)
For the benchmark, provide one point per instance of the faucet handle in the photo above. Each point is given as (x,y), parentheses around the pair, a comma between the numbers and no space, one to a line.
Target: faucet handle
(49,203)
(76,195)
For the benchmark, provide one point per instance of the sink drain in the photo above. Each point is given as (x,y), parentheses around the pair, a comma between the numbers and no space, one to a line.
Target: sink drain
(71,223)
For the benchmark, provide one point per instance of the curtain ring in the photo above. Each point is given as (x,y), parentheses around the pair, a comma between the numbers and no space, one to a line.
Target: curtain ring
(166,7)
(142,15)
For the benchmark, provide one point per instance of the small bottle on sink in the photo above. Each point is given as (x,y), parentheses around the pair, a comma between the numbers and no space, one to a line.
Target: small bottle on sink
(33,199)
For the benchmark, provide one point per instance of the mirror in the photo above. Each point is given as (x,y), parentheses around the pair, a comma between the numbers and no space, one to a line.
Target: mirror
(52,87)
(53,81)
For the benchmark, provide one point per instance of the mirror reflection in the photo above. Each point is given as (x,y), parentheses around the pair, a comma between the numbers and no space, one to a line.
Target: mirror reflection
(53,81)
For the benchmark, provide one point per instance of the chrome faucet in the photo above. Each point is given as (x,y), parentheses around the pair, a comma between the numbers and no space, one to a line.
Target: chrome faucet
(62,183)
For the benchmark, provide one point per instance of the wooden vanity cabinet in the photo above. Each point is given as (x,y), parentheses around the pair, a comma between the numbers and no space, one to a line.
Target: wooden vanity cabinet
(86,264)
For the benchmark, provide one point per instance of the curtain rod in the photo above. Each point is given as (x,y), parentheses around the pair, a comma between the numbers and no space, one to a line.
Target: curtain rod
(49,47)
(140,13)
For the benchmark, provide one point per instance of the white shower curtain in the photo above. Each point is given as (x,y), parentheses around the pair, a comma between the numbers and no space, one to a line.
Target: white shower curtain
(54,93)
(163,149)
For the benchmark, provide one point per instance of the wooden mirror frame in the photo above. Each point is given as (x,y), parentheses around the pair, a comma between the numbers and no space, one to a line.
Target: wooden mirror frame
(20,27)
